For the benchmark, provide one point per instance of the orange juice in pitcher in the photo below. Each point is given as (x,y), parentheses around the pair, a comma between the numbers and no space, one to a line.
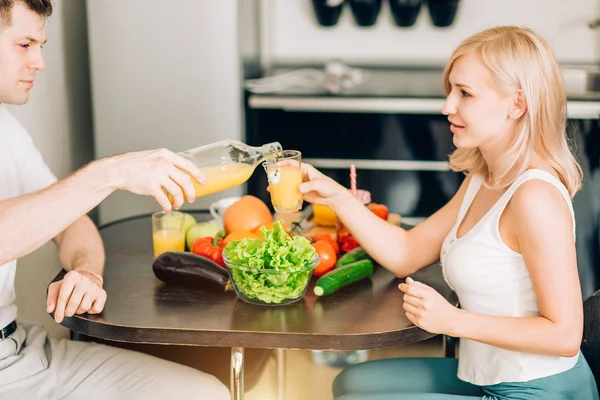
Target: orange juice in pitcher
(222,176)
(228,163)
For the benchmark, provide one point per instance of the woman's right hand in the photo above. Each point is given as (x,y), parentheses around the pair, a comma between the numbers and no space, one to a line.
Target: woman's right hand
(318,188)
(155,173)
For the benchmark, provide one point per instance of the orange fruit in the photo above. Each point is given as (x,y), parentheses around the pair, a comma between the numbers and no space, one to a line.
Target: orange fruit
(246,214)
(239,235)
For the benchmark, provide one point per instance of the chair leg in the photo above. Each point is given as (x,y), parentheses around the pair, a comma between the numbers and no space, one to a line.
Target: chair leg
(450,344)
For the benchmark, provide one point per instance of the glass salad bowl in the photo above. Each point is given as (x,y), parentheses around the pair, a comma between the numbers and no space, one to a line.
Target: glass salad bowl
(268,286)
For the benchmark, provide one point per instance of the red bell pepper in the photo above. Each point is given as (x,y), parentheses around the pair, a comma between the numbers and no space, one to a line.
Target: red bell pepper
(211,248)
(348,244)
(346,241)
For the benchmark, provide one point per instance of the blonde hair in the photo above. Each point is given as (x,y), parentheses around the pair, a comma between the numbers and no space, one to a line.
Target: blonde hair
(520,59)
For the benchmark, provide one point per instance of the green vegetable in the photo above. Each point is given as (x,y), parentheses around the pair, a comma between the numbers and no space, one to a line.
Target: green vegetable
(273,269)
(356,254)
(343,276)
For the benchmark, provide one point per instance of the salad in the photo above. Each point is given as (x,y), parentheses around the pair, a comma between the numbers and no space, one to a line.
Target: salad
(274,269)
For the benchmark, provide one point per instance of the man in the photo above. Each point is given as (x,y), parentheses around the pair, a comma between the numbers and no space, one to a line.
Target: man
(32,365)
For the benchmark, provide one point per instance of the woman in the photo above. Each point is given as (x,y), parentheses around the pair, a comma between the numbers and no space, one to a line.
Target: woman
(506,240)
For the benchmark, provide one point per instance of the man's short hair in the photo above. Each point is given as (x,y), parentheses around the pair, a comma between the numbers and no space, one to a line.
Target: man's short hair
(41,7)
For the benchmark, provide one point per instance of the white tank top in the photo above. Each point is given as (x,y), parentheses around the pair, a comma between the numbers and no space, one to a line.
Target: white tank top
(490,278)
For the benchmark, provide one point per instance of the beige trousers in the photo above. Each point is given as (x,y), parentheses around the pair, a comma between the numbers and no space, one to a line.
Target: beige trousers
(34,366)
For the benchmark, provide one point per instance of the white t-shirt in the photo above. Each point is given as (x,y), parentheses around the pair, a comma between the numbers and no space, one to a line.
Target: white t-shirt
(22,170)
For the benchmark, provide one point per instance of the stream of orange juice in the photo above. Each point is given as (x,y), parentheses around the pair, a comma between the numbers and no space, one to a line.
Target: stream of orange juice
(220,177)
(285,195)
(168,240)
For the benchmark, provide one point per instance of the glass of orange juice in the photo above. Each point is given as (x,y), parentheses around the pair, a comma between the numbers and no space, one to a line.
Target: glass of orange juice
(285,175)
(168,232)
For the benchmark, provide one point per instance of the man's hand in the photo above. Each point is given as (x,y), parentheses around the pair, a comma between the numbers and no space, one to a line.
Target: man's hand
(76,293)
(157,173)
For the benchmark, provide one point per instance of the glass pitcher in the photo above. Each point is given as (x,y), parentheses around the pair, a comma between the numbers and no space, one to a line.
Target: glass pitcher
(229,163)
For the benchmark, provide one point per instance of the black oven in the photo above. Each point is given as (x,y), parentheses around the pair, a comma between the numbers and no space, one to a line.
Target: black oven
(393,131)
(400,158)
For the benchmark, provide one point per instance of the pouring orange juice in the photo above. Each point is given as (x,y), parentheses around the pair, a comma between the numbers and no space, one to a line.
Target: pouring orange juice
(285,176)
(228,163)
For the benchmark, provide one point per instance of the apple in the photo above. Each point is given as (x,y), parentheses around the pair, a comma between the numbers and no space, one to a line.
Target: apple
(188,222)
(201,229)
(170,221)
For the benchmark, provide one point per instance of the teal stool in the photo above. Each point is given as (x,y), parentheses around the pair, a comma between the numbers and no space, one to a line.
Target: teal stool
(413,378)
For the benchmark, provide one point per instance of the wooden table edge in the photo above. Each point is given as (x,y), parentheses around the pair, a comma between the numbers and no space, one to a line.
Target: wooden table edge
(264,340)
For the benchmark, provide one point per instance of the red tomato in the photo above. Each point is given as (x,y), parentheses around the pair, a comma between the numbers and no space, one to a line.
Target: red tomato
(327,257)
(380,210)
(329,239)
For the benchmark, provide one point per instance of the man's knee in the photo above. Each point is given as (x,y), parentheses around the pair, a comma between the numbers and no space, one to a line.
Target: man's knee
(195,384)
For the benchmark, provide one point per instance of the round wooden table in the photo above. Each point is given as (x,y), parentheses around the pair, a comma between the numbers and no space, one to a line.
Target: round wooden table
(141,309)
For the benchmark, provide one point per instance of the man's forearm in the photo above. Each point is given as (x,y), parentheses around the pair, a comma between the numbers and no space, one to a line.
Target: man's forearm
(29,221)
(80,247)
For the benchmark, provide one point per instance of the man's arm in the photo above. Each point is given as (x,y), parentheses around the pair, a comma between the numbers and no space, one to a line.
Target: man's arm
(80,247)
(81,252)
(29,221)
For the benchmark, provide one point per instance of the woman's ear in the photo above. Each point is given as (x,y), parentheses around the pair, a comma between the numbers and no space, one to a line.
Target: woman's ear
(518,106)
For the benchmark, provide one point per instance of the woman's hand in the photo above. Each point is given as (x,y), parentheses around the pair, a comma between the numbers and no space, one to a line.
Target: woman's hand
(426,308)
(319,188)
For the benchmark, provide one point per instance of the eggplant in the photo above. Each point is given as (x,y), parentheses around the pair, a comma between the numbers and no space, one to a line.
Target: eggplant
(189,269)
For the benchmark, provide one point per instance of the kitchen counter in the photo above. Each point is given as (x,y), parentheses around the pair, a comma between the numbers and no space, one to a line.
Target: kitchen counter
(406,89)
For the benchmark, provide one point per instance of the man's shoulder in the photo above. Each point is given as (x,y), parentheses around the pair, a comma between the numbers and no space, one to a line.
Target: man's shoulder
(7,118)
(10,127)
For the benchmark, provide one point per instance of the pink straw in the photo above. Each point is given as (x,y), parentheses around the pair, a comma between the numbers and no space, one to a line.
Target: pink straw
(353,179)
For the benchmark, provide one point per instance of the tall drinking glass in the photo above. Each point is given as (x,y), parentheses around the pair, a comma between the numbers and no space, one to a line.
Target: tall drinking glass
(285,176)
(168,232)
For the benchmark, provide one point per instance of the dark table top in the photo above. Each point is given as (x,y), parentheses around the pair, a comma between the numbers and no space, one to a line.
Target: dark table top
(141,309)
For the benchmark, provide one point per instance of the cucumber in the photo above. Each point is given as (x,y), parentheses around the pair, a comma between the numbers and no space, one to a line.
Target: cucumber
(356,254)
(343,276)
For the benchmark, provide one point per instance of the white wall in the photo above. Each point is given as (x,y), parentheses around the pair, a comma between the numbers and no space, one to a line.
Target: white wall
(163,75)
(58,119)
(291,33)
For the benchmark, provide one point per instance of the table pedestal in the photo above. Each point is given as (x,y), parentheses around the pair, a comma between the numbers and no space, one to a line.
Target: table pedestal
(236,378)
(236,373)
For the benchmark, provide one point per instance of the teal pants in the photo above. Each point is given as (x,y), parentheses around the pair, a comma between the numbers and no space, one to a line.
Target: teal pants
(435,379)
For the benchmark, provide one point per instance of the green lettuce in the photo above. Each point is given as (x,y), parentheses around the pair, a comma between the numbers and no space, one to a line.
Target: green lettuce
(284,257)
